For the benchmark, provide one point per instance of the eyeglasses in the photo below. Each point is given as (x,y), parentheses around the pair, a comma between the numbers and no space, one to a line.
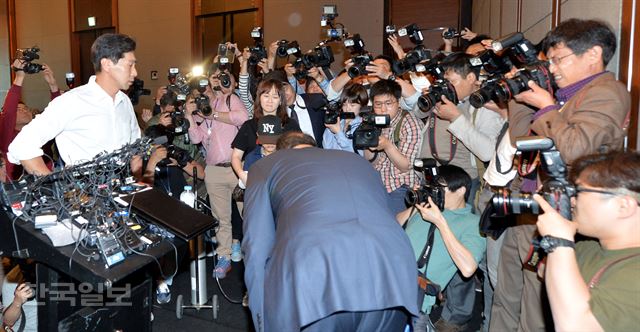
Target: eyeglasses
(597,191)
(619,192)
(556,60)
(388,104)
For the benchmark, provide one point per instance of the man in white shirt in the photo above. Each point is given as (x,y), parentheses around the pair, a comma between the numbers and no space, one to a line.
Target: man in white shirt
(89,119)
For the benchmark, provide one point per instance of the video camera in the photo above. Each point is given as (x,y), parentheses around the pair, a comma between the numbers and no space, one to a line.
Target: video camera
(432,186)
(438,89)
(27,55)
(367,135)
(136,90)
(556,190)
(333,112)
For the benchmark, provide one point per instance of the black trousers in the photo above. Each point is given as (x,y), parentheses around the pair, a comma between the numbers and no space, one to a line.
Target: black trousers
(393,319)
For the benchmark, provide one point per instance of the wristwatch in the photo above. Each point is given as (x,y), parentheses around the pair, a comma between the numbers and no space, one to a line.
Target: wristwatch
(550,243)
(392,77)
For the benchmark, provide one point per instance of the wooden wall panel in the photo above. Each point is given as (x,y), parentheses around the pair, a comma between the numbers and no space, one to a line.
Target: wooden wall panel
(426,14)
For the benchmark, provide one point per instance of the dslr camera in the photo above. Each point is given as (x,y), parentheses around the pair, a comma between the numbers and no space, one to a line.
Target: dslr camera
(440,88)
(286,48)
(136,90)
(556,189)
(412,61)
(333,112)
(367,135)
(432,186)
(258,52)
(27,55)
(180,155)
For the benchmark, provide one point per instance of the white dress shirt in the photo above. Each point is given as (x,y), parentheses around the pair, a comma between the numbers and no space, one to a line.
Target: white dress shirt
(304,121)
(84,121)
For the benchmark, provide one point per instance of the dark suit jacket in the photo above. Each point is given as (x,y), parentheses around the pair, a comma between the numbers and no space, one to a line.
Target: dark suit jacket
(314,102)
(319,238)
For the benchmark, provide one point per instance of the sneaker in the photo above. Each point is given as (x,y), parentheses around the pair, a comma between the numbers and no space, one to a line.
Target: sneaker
(163,293)
(444,326)
(221,269)
(236,252)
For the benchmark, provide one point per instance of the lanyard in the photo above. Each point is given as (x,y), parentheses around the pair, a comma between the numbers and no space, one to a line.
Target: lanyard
(431,133)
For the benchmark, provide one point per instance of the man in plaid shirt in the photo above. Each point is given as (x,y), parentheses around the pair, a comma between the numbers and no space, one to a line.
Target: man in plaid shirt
(398,145)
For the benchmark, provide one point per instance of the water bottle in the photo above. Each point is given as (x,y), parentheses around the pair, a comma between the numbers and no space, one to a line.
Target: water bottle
(188,197)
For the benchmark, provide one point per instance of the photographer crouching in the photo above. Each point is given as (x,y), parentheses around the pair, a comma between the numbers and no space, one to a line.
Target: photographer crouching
(445,236)
(595,285)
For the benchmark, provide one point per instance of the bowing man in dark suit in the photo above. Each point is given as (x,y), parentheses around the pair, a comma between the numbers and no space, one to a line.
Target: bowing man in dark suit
(322,249)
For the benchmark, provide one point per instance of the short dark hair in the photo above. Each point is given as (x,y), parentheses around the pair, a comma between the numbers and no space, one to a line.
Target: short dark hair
(455,178)
(111,46)
(292,138)
(355,93)
(611,170)
(168,98)
(460,63)
(581,35)
(385,58)
(385,87)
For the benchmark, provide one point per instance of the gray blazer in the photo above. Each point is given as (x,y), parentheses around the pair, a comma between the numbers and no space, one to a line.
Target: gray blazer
(319,238)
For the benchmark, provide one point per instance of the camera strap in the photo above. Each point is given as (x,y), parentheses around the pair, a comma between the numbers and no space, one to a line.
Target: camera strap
(423,261)
(503,131)
(396,130)
(431,133)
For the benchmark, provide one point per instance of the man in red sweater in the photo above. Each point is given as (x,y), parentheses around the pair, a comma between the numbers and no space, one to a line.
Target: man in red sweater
(16,114)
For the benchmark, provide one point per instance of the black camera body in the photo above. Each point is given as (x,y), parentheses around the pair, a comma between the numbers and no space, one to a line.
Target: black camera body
(440,88)
(360,62)
(333,112)
(491,63)
(451,33)
(412,61)
(178,154)
(136,90)
(27,55)
(286,48)
(320,56)
(367,135)
(431,186)
(556,189)
(258,52)
(179,124)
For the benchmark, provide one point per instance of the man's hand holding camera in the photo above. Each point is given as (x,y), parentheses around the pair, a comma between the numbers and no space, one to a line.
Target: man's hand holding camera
(431,213)
(378,70)
(552,223)
(23,293)
(536,97)
(383,143)
(446,110)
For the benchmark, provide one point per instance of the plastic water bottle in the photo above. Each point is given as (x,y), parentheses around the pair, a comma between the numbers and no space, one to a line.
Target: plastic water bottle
(188,197)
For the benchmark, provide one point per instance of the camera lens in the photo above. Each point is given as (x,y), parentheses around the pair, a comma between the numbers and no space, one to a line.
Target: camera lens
(505,202)
(481,97)
(427,101)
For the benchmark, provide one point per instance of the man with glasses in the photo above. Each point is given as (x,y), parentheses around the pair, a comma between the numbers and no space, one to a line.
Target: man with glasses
(398,145)
(595,285)
(588,114)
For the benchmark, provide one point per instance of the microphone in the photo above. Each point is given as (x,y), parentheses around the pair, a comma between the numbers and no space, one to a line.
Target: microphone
(506,42)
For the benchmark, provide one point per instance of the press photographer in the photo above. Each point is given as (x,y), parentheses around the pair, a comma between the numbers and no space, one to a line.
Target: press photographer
(594,285)
(397,146)
(589,113)
(16,114)
(445,239)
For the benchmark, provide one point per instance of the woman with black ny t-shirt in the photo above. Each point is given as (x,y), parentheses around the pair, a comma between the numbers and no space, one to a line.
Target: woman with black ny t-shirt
(270,100)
